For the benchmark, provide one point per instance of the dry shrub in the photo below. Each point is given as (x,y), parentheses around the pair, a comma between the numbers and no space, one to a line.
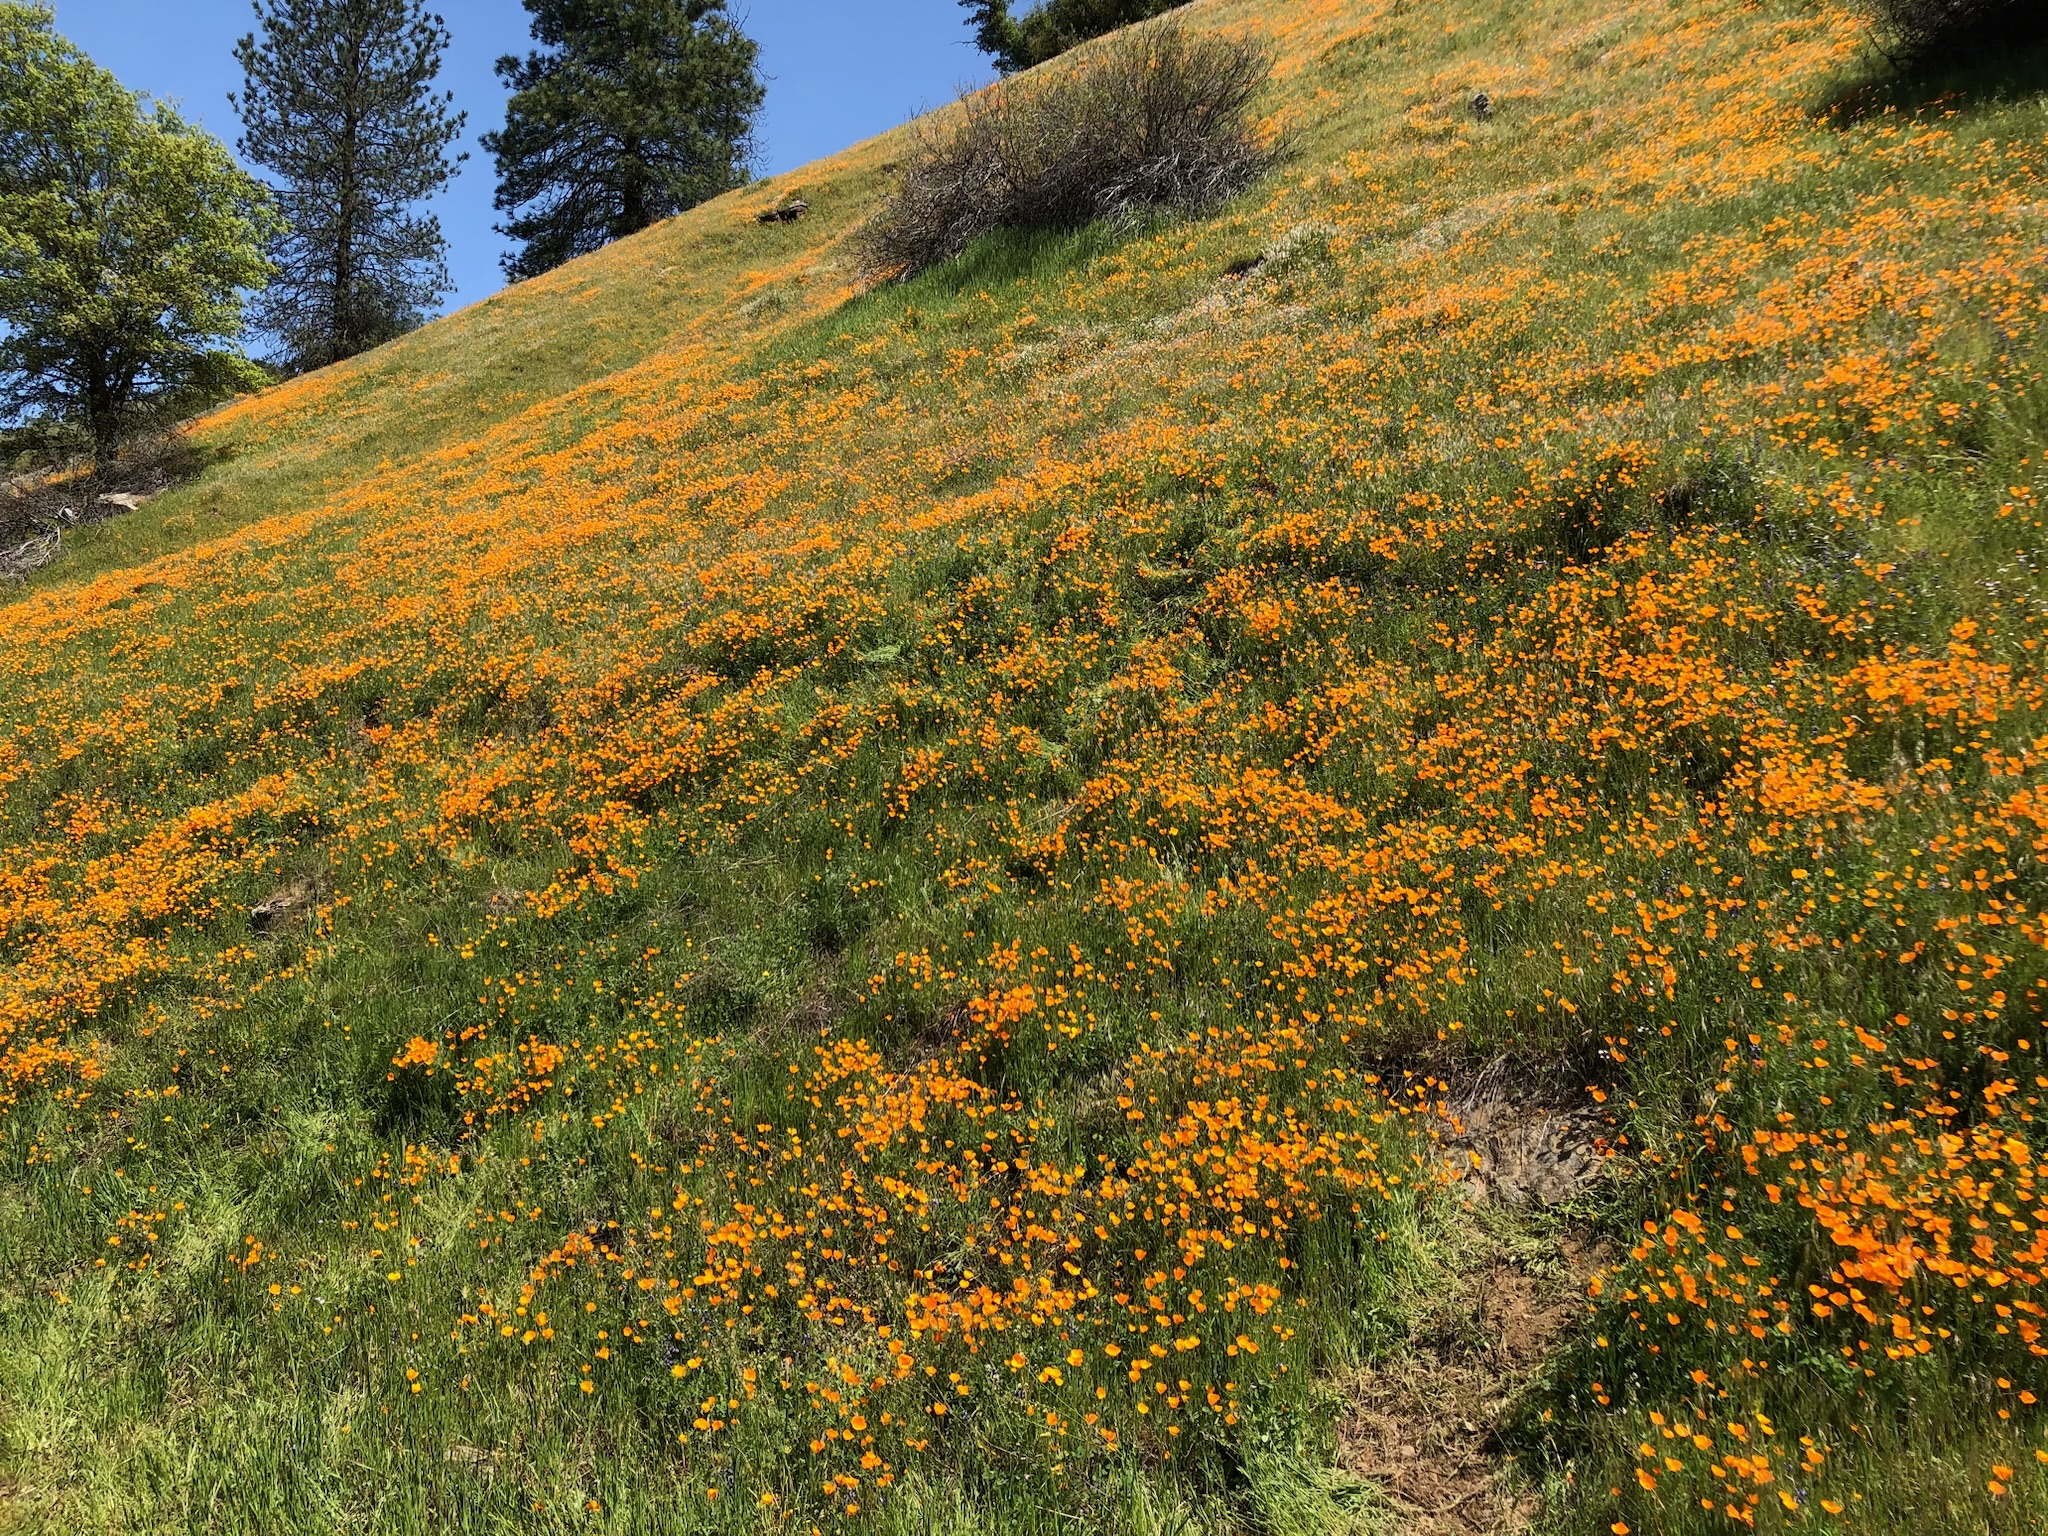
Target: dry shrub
(1933,31)
(40,504)
(1157,118)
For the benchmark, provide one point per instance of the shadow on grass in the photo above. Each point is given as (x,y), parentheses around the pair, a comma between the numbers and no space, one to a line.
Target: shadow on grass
(1982,70)
(994,262)
(1011,255)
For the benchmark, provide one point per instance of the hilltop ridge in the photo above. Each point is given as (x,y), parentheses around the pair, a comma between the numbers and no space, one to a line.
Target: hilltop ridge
(1108,886)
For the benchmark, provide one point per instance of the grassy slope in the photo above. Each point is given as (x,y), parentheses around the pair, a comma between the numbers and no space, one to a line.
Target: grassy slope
(1003,776)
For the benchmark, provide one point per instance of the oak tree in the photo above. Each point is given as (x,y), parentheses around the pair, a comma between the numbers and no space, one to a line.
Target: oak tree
(128,241)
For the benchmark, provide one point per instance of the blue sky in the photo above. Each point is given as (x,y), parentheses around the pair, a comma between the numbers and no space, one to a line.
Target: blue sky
(838,71)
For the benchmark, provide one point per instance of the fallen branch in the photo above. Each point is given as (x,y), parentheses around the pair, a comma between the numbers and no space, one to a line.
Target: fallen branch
(25,559)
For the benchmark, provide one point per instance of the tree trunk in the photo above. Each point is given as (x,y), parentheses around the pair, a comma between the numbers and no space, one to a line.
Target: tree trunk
(346,339)
(633,216)
(102,418)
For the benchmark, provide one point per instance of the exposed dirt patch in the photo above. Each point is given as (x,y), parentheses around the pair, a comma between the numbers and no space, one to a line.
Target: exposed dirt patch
(1424,1427)
(939,1033)
(1511,1133)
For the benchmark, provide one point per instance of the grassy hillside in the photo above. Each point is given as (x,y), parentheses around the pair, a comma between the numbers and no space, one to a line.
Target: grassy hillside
(696,900)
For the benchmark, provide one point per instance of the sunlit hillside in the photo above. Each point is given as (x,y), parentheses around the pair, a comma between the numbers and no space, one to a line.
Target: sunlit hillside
(701,900)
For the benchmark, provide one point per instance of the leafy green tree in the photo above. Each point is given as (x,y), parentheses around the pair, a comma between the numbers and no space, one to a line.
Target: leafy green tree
(1051,27)
(127,240)
(631,110)
(338,105)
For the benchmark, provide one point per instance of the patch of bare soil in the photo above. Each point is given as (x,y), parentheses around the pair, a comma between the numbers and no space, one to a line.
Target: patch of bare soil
(1425,1426)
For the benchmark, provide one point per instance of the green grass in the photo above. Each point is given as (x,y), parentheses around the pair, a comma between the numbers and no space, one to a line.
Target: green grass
(706,484)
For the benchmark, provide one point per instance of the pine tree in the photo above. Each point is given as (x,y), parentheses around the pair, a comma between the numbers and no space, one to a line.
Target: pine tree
(338,105)
(631,111)
(1051,27)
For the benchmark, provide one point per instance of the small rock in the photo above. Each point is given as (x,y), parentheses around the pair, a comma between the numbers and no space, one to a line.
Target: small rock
(271,914)
(126,501)
(788,213)
(1482,106)
(1512,1147)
